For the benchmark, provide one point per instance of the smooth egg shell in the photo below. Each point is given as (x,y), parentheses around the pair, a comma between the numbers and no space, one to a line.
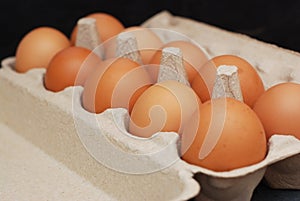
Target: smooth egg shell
(165,106)
(228,135)
(38,47)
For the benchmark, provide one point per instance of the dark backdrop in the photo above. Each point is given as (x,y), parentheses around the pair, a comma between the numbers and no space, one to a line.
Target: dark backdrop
(271,21)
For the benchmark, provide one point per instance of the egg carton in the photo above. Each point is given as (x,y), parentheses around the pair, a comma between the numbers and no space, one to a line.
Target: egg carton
(99,148)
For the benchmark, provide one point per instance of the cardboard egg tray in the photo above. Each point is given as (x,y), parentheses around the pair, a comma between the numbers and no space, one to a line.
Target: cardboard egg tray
(99,148)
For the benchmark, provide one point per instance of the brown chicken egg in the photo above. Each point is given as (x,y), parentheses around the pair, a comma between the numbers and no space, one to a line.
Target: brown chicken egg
(117,83)
(193,56)
(165,106)
(38,47)
(107,26)
(227,135)
(70,67)
(251,84)
(279,109)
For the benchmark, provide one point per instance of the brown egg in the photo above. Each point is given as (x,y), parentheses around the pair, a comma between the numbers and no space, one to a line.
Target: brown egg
(107,26)
(165,106)
(279,109)
(117,83)
(38,47)
(228,135)
(193,57)
(70,67)
(250,82)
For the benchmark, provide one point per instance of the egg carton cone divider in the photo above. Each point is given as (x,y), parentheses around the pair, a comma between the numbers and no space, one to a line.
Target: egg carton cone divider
(171,66)
(127,47)
(87,34)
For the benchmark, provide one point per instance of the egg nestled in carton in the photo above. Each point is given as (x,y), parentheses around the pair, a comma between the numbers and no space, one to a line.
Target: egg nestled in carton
(137,168)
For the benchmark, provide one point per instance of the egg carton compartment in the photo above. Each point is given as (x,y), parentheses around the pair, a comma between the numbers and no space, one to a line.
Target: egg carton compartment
(58,124)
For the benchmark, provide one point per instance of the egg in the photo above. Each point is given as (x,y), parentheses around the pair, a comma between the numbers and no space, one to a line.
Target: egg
(251,84)
(165,106)
(279,109)
(147,41)
(193,56)
(37,48)
(117,83)
(70,67)
(107,26)
(227,135)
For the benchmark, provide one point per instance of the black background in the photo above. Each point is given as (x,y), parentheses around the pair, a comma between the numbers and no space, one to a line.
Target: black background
(270,21)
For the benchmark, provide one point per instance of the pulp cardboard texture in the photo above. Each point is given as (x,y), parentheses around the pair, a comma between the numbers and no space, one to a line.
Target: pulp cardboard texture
(58,125)
(28,174)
